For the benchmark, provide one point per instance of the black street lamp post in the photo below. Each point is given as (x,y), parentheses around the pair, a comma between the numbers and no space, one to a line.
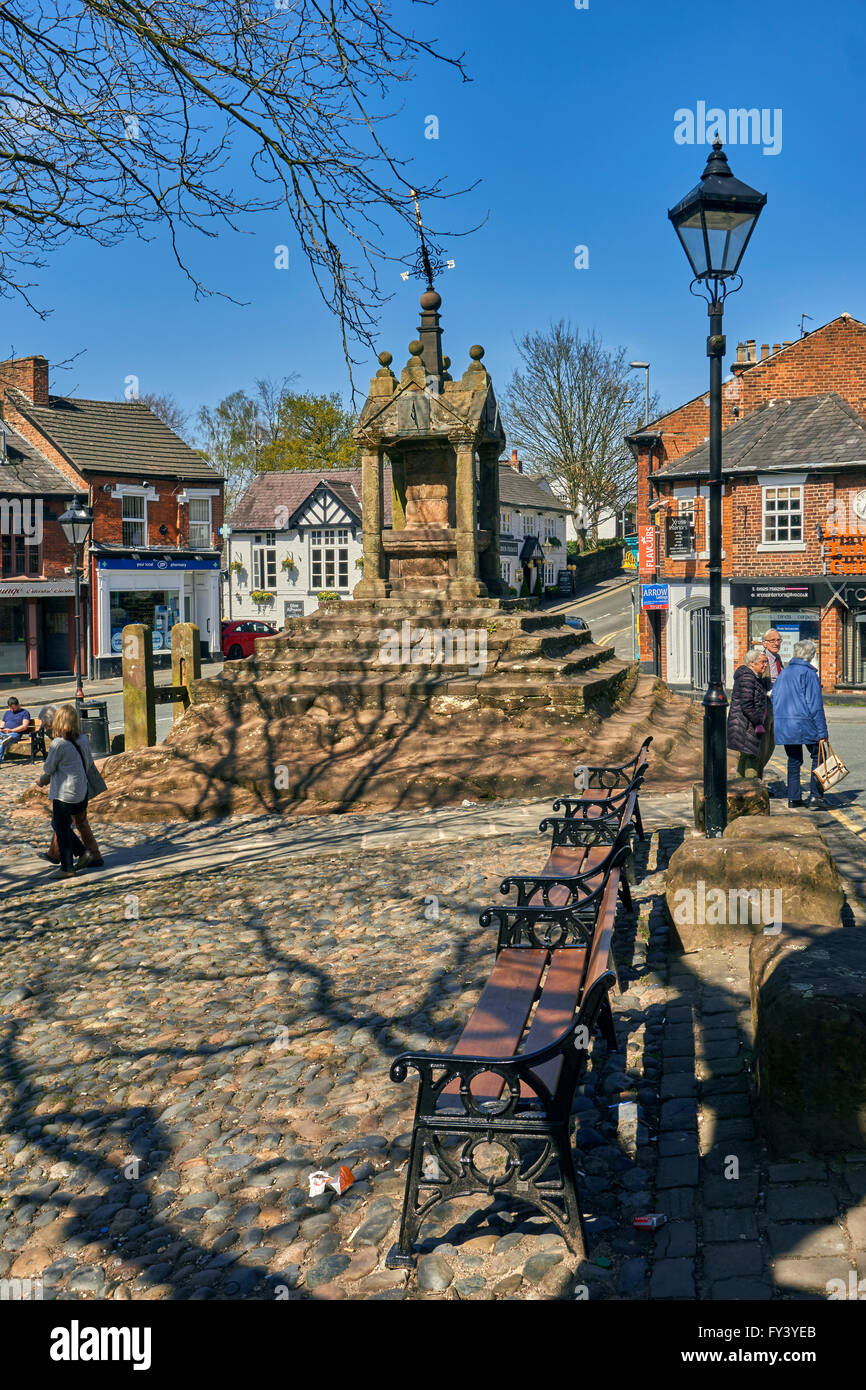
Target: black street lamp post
(714,222)
(76,522)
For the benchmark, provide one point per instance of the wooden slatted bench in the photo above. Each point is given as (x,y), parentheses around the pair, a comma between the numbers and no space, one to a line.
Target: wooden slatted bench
(511,1077)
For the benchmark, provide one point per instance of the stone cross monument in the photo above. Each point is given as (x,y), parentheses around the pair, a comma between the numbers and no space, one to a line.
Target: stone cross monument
(443,439)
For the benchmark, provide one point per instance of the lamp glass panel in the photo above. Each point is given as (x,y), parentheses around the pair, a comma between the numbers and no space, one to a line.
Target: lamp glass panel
(727,233)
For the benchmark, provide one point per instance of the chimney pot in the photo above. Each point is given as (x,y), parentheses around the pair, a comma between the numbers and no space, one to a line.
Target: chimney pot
(515,462)
(750,347)
(788,342)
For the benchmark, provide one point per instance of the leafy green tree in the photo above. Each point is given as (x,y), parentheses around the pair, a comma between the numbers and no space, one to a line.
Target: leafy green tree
(310,431)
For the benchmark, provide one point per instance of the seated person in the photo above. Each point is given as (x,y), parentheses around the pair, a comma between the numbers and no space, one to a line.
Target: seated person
(16,722)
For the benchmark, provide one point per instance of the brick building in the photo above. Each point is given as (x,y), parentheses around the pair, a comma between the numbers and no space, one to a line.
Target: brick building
(154,551)
(37,628)
(793,509)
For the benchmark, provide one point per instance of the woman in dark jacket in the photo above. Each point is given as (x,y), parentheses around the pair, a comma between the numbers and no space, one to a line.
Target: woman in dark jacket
(748,712)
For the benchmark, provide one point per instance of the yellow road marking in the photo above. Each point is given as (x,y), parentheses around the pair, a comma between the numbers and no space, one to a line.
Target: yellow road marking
(843,817)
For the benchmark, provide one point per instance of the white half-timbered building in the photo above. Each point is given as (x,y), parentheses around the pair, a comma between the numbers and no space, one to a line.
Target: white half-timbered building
(293,536)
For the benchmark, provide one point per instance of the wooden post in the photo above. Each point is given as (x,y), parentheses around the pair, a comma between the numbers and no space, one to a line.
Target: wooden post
(139,705)
(185,661)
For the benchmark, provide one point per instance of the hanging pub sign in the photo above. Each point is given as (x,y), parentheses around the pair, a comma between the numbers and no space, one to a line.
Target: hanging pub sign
(647,549)
(681,534)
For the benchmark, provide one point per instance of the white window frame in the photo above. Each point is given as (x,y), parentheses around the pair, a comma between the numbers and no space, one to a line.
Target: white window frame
(206,544)
(329,541)
(264,564)
(775,481)
(136,495)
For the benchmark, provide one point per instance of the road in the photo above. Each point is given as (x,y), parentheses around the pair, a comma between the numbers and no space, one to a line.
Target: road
(609,614)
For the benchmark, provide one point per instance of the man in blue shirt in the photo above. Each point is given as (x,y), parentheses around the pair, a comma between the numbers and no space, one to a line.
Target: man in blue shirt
(15,724)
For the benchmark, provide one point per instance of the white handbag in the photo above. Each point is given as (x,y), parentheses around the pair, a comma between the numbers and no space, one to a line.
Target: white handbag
(830,770)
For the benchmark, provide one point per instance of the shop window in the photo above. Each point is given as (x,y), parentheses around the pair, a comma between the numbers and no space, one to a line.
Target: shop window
(783,515)
(794,624)
(264,567)
(13,653)
(158,609)
(134,526)
(199,521)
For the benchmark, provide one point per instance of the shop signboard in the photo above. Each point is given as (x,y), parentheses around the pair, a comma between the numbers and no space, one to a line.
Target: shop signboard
(127,562)
(681,535)
(647,547)
(293,608)
(654,596)
(563,582)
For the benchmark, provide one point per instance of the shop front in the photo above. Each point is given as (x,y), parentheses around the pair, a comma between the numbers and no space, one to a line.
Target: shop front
(157,591)
(37,628)
(796,608)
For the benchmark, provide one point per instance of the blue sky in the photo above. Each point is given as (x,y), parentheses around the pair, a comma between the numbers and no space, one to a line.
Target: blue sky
(569,124)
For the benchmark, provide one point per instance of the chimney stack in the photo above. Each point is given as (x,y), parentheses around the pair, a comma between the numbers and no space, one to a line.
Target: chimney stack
(765,350)
(788,342)
(777,347)
(750,348)
(515,462)
(28,375)
(741,352)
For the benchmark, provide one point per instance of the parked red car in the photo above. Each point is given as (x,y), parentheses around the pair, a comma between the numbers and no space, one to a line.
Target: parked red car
(238,638)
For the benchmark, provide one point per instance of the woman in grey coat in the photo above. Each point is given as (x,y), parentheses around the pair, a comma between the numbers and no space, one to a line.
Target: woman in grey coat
(65,770)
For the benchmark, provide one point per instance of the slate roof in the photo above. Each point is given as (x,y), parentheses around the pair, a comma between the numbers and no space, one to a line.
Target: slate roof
(522,490)
(26,471)
(291,488)
(118,437)
(805,435)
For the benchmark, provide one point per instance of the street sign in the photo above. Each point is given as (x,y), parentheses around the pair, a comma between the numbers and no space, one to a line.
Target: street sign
(654,596)
(648,553)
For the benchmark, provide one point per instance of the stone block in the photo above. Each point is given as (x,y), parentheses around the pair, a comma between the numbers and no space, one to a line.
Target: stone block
(725,892)
(781,825)
(809,1010)
(747,796)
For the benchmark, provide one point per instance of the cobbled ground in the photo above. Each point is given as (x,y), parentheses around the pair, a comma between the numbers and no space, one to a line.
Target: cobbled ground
(178,1055)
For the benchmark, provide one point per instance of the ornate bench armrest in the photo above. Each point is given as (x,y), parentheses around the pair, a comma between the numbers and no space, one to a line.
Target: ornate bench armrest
(545,928)
(575,832)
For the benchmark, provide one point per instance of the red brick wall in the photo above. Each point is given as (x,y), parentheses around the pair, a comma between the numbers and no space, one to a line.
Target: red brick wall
(28,374)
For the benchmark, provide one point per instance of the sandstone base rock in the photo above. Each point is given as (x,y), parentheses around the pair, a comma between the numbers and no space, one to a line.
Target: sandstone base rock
(723,892)
(808,989)
(747,796)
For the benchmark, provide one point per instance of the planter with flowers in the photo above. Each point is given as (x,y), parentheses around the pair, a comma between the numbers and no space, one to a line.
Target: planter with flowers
(261,596)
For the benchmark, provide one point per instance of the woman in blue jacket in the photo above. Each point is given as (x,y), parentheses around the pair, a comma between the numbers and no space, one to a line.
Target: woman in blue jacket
(798,712)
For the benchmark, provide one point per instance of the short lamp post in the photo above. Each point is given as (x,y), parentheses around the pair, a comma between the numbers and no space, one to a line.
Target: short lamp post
(714,222)
(76,523)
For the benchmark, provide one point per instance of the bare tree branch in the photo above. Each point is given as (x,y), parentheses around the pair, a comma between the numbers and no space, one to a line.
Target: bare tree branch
(118,117)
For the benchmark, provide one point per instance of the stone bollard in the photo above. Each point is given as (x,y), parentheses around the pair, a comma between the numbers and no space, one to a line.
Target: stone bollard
(185,661)
(139,705)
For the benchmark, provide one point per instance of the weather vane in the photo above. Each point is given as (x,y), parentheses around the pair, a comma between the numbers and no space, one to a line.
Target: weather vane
(426,265)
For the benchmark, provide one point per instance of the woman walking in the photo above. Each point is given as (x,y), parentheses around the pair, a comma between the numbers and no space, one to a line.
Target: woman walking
(798,708)
(65,769)
(748,713)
